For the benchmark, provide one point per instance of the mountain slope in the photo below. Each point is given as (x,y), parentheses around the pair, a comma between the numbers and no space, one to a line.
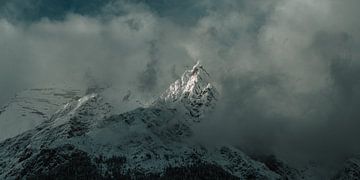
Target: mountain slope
(32,107)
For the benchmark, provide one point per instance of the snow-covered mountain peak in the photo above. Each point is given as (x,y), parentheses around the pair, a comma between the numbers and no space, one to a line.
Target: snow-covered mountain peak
(192,82)
(85,138)
(193,90)
(197,76)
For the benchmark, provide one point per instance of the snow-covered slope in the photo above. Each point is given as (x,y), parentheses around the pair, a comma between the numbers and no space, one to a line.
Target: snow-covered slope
(32,107)
(84,139)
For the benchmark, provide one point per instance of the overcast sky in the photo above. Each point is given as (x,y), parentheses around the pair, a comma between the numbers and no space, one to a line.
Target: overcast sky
(288,70)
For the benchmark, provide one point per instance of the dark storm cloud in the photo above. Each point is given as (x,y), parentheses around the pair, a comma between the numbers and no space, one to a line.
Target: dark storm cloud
(292,88)
(34,10)
(182,12)
(149,77)
(287,70)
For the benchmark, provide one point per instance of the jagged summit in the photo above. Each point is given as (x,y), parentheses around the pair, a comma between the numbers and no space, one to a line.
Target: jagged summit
(193,90)
(191,83)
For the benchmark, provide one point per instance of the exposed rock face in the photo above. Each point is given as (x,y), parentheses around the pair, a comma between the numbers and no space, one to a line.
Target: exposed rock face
(280,167)
(350,170)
